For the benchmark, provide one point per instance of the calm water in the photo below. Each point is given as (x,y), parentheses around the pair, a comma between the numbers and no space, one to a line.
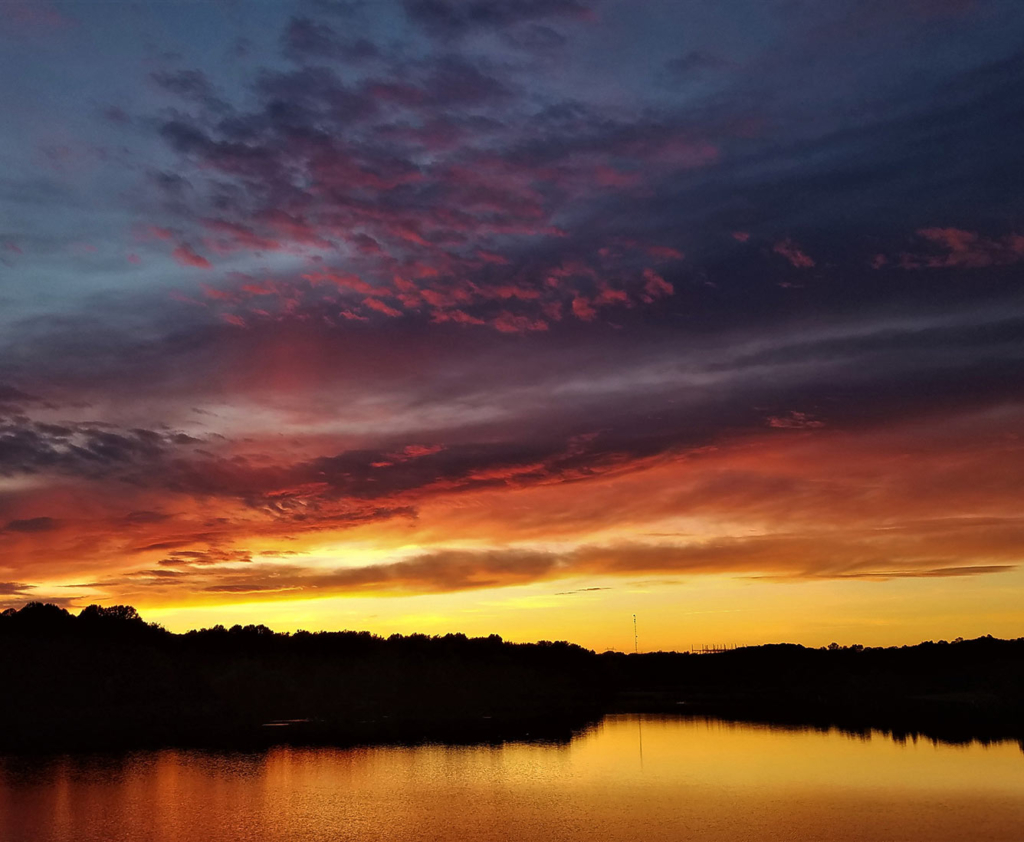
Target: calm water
(691,780)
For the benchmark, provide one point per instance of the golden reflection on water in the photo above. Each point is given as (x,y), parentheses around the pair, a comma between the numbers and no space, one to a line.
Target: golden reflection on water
(695,780)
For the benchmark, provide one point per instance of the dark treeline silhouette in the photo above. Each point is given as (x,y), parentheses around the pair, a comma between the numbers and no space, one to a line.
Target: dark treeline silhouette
(107,679)
(959,691)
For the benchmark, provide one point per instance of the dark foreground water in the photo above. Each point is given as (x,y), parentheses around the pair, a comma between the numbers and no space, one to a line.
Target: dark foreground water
(631,778)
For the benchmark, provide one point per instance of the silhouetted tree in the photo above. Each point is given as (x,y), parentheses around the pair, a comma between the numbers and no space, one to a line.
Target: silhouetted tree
(107,678)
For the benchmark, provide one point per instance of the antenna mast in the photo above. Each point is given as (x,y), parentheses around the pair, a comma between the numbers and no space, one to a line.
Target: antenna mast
(636,644)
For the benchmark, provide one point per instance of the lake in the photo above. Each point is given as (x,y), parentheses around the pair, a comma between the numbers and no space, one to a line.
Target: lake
(643,778)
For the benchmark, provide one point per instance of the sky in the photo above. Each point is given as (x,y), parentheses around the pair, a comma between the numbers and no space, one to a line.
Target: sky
(517,317)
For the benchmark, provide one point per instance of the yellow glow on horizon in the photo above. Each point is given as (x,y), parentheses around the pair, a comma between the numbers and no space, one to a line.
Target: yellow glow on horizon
(672,615)
(760,541)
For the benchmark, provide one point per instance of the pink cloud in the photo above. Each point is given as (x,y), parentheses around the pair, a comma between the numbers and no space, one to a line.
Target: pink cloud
(232,237)
(510,323)
(553,310)
(344,280)
(352,317)
(152,232)
(187,257)
(294,228)
(795,421)
(491,257)
(608,296)
(965,249)
(656,286)
(611,177)
(458,316)
(740,236)
(509,291)
(582,310)
(381,307)
(789,250)
(415,451)
(259,289)
(664,253)
(217,294)
(435,298)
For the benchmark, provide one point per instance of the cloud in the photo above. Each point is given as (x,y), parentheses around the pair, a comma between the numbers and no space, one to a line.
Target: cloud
(31,525)
(455,310)
(82,449)
(196,558)
(381,307)
(965,249)
(937,573)
(335,165)
(507,322)
(12,398)
(581,590)
(14,589)
(656,286)
(451,18)
(795,421)
(583,309)
(186,256)
(834,505)
(789,250)
(814,556)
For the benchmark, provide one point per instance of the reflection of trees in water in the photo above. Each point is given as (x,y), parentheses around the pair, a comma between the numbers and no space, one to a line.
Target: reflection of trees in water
(106,678)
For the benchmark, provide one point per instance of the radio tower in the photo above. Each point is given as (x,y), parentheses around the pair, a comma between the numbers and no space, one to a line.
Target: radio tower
(636,645)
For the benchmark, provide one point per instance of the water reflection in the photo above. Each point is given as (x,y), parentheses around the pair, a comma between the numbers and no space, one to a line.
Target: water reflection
(655,778)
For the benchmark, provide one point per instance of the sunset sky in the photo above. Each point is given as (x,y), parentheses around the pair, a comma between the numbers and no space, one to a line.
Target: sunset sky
(517,316)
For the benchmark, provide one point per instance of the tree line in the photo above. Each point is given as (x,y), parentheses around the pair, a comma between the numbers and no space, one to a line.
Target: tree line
(105,678)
